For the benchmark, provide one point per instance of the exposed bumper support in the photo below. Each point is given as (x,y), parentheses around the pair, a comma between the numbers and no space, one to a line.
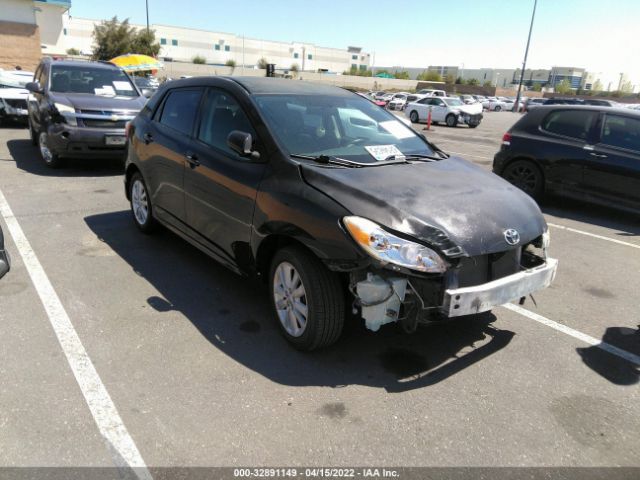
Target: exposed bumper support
(481,298)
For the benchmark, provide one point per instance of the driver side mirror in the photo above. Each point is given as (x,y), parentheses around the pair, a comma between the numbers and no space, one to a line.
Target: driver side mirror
(5,264)
(242,144)
(147,92)
(34,87)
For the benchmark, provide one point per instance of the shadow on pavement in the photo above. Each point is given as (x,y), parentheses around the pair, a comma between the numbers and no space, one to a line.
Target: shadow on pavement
(603,216)
(232,313)
(27,158)
(615,369)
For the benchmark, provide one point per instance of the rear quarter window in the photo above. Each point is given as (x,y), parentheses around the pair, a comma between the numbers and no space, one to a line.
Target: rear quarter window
(570,123)
(621,132)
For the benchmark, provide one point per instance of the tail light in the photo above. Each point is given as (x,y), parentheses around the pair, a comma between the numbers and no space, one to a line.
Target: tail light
(506,139)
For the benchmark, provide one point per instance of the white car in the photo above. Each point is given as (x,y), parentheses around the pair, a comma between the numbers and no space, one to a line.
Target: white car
(398,101)
(13,95)
(444,109)
(494,104)
(432,93)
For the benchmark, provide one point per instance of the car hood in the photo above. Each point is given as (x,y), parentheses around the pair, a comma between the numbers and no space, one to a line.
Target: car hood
(471,109)
(84,101)
(14,93)
(451,204)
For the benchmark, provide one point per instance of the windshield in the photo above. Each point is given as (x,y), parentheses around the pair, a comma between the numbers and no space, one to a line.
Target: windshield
(453,102)
(346,127)
(87,79)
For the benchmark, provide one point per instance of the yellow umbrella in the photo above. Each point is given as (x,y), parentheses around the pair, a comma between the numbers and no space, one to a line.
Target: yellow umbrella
(136,62)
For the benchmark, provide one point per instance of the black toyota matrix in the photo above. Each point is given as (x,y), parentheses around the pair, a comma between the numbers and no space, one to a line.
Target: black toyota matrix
(336,203)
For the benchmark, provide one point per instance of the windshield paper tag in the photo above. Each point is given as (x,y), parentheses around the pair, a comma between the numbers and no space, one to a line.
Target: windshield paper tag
(106,90)
(122,85)
(396,129)
(383,152)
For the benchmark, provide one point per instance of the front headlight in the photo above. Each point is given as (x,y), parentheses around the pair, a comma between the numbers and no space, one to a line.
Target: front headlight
(67,112)
(388,248)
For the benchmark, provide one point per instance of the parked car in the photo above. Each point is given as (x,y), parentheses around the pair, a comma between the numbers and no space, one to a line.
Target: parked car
(5,262)
(308,187)
(14,78)
(432,93)
(494,104)
(13,105)
(146,86)
(445,109)
(586,152)
(398,101)
(600,103)
(533,102)
(79,109)
(564,101)
(468,99)
(379,95)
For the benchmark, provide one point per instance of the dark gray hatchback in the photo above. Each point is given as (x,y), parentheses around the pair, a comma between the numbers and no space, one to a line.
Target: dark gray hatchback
(79,109)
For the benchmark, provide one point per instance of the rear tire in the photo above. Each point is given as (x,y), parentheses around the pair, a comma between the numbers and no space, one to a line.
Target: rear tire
(527,176)
(141,208)
(414,117)
(497,108)
(451,120)
(307,299)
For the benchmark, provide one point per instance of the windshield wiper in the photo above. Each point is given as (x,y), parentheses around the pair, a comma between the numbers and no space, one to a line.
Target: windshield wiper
(327,160)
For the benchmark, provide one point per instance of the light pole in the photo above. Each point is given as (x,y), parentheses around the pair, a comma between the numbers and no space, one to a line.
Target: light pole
(147,6)
(524,62)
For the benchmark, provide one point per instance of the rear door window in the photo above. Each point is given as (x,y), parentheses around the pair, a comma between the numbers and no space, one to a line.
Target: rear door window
(180,109)
(570,123)
(621,132)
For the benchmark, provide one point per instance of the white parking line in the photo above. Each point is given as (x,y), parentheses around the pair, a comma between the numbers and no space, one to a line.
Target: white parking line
(574,333)
(121,446)
(588,234)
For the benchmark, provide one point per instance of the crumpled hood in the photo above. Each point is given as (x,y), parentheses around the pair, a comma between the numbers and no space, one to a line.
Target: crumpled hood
(471,109)
(14,93)
(471,206)
(84,101)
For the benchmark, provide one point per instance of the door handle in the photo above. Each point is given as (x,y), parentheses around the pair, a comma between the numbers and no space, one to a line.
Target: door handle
(148,138)
(598,155)
(192,159)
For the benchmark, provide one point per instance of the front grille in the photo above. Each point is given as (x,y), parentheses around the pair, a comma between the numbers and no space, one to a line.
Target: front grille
(16,103)
(486,268)
(91,123)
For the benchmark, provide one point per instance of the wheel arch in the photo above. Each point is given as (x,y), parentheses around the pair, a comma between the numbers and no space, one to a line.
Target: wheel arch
(131,169)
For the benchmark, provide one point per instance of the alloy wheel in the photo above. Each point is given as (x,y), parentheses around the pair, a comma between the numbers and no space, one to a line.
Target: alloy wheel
(290,299)
(139,202)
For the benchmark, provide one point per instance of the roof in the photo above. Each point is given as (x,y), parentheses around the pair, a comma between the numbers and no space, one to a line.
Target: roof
(597,108)
(262,85)
(80,63)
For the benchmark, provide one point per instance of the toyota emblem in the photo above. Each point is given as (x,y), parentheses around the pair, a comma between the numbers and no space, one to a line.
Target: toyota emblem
(512,236)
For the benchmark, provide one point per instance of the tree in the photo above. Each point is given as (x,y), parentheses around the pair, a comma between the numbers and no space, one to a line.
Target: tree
(473,81)
(73,51)
(487,84)
(403,75)
(459,81)
(563,87)
(199,60)
(262,63)
(626,87)
(428,76)
(597,86)
(112,38)
(537,87)
(144,42)
(450,79)
(231,63)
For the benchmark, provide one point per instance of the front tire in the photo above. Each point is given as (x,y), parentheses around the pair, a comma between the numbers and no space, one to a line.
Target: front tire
(306,298)
(141,207)
(51,159)
(527,176)
(414,117)
(451,120)
(497,108)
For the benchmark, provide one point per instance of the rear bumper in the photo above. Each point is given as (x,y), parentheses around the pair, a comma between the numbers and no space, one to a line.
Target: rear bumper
(69,141)
(482,298)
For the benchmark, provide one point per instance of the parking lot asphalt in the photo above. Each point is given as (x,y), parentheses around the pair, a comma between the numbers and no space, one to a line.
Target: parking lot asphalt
(198,374)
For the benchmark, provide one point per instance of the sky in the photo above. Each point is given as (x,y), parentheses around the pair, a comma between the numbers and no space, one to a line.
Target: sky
(599,35)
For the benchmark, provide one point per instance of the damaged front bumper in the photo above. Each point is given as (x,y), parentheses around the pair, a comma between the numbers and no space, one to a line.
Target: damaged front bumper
(470,119)
(384,297)
(482,298)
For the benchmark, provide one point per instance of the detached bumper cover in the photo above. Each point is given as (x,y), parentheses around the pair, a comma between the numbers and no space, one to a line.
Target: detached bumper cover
(481,298)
